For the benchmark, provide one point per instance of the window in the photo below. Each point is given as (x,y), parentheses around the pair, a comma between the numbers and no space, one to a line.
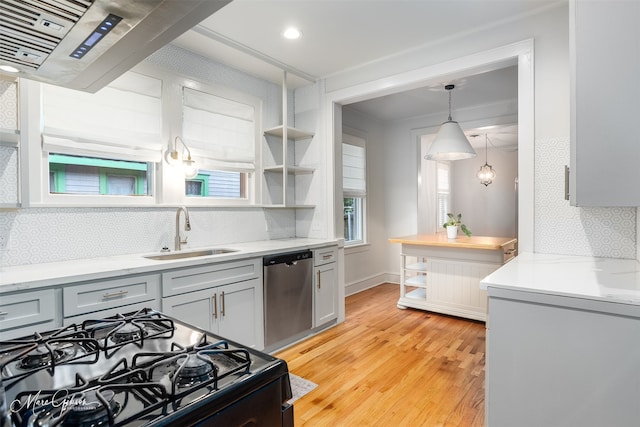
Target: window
(221,134)
(443,193)
(103,143)
(86,175)
(219,184)
(108,148)
(354,188)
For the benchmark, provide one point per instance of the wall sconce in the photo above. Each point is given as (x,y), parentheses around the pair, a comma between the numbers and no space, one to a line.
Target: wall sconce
(176,158)
(486,174)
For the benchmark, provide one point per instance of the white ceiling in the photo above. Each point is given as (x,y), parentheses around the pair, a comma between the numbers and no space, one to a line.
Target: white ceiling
(340,35)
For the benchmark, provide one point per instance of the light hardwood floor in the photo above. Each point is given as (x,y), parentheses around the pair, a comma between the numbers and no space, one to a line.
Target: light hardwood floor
(389,367)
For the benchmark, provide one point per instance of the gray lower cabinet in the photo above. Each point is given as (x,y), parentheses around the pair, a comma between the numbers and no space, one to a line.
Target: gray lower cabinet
(325,285)
(561,362)
(229,311)
(224,298)
(22,313)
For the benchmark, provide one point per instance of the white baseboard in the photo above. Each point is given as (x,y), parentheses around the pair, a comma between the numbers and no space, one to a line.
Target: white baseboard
(370,282)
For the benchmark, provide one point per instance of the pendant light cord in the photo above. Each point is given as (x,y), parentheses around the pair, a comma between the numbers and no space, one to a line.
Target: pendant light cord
(450,104)
(486,149)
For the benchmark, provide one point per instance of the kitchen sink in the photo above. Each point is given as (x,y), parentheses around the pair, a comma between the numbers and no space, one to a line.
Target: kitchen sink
(189,254)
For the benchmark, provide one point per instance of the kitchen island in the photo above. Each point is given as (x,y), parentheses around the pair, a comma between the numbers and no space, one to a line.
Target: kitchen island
(563,342)
(443,275)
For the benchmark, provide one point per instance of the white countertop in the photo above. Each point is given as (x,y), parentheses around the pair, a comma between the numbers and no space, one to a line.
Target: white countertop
(603,279)
(32,276)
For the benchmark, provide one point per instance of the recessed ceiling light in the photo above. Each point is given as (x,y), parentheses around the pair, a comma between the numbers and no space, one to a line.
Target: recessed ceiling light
(291,33)
(9,69)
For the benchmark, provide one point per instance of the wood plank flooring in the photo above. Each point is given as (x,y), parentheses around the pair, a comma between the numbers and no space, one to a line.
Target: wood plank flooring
(389,367)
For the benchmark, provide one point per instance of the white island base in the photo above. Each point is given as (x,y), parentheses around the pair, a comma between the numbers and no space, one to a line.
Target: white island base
(443,275)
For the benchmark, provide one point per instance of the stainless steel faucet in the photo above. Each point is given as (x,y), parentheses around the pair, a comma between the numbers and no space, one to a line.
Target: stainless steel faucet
(187,227)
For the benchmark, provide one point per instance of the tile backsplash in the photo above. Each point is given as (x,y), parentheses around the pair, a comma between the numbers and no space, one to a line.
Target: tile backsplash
(39,235)
(569,230)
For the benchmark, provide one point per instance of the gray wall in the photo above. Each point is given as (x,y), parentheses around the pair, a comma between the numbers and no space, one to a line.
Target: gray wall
(558,227)
(491,210)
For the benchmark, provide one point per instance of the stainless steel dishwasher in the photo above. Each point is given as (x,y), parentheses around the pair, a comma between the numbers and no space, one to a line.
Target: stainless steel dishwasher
(288,294)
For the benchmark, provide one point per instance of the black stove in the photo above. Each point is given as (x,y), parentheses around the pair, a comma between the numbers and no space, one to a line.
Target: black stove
(139,369)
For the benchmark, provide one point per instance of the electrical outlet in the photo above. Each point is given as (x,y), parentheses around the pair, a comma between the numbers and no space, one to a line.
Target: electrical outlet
(4,241)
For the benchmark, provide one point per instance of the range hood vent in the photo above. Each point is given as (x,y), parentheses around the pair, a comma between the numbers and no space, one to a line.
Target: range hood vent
(86,44)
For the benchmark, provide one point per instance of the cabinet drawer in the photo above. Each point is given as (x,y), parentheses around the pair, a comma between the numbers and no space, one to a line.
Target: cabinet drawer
(125,309)
(27,308)
(192,279)
(101,295)
(325,255)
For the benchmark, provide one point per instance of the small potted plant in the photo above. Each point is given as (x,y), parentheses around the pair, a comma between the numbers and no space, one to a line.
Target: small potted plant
(452,226)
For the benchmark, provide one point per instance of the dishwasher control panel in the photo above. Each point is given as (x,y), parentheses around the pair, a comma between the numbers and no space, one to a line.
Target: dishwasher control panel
(287,257)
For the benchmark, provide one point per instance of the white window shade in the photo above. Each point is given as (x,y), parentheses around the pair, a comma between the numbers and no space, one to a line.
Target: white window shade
(354,177)
(121,121)
(221,133)
(443,177)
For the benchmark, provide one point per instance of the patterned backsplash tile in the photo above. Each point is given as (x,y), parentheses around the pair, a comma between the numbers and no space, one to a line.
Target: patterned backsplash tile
(39,235)
(569,230)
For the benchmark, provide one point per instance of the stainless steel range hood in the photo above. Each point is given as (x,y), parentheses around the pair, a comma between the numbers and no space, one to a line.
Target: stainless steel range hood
(86,44)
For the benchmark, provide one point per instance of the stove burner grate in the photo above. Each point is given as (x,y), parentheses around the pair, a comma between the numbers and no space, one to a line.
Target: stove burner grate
(23,357)
(129,332)
(92,403)
(42,356)
(195,369)
(91,408)
(134,328)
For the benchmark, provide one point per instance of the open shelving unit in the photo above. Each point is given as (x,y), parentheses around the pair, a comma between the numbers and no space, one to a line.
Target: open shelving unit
(413,278)
(286,181)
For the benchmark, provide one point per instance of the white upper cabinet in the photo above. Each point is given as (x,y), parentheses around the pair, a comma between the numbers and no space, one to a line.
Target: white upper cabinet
(605,103)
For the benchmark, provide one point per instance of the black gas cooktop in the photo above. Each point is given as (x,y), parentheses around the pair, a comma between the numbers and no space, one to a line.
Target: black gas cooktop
(139,369)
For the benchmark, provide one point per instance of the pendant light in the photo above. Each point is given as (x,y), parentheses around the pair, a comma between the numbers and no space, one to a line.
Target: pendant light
(450,143)
(486,174)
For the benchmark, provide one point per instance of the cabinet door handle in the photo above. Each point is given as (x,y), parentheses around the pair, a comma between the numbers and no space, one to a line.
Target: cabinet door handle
(214,301)
(3,313)
(324,257)
(222,303)
(318,274)
(567,172)
(114,294)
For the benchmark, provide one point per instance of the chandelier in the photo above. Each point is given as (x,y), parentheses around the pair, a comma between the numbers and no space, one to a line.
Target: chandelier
(486,174)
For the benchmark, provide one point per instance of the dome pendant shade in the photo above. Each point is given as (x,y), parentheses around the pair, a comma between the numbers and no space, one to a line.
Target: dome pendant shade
(450,144)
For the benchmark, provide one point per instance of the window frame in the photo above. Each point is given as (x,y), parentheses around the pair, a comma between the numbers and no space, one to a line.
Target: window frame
(103,172)
(440,220)
(166,186)
(170,177)
(358,141)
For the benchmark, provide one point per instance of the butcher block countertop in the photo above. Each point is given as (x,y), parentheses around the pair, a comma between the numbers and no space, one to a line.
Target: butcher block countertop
(462,242)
